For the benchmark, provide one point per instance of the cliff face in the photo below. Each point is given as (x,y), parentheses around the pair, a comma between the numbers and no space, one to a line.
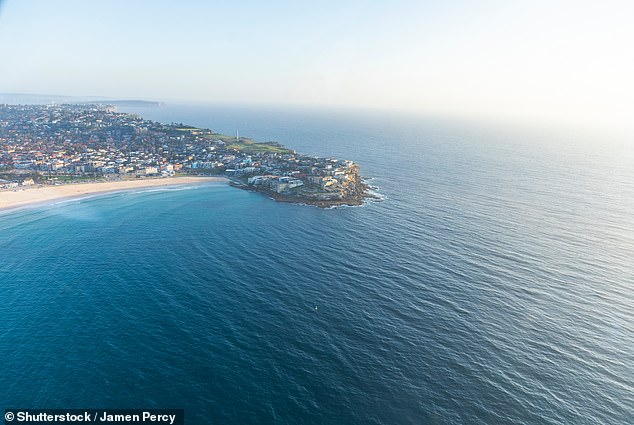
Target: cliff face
(354,186)
(349,190)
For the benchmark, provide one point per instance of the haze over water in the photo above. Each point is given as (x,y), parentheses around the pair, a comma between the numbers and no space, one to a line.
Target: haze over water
(492,285)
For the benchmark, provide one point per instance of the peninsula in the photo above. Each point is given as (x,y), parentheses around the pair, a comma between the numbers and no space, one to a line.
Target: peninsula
(57,145)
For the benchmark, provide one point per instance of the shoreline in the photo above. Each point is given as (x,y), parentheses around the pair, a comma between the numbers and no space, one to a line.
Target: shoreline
(354,200)
(24,197)
(271,168)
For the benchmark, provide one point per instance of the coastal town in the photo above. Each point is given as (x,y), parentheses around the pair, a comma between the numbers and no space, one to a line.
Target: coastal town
(67,144)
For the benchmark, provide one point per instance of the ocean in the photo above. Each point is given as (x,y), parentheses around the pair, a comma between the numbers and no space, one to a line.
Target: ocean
(492,284)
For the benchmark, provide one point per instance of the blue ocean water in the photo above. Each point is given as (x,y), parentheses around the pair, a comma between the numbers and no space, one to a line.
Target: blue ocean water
(494,284)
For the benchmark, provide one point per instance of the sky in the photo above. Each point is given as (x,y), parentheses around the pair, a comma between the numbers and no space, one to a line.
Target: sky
(562,61)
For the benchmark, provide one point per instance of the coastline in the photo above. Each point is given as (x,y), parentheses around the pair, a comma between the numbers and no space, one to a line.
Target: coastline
(23,197)
(358,198)
(157,149)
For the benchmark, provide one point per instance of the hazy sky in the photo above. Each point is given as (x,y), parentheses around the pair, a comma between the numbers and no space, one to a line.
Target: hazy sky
(568,61)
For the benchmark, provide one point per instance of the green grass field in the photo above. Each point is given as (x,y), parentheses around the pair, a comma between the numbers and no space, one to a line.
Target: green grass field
(248,146)
(244,145)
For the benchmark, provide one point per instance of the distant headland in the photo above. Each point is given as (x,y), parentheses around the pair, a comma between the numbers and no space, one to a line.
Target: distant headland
(41,99)
(69,143)
(123,102)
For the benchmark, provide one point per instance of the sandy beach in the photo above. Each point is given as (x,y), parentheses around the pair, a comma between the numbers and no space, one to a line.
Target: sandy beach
(21,197)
